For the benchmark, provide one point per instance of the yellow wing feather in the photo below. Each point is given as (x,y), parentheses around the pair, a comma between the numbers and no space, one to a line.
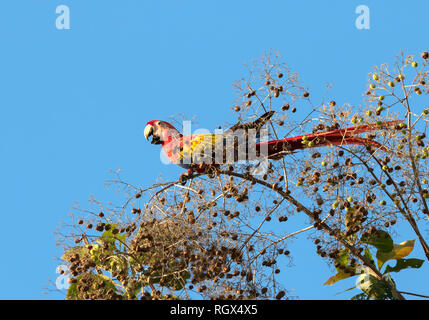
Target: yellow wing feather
(201,145)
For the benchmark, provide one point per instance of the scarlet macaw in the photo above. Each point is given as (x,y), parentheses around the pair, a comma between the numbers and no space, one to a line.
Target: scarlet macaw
(188,151)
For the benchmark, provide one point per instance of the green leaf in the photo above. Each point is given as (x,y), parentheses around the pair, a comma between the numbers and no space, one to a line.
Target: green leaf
(349,289)
(340,276)
(368,255)
(343,259)
(72,292)
(379,239)
(373,287)
(116,264)
(404,264)
(377,289)
(398,251)
(179,284)
(69,254)
(110,237)
(391,287)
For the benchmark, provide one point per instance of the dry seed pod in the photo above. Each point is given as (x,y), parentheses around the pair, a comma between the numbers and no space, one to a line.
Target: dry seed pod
(280,295)
(276,93)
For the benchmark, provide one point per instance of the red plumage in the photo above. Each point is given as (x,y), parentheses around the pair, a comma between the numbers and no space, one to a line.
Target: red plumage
(179,148)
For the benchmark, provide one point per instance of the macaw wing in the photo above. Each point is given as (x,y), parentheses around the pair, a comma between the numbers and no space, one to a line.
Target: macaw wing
(228,147)
(256,124)
(197,148)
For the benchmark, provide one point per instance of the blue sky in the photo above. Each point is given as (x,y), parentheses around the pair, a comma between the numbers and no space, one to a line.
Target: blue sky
(74,103)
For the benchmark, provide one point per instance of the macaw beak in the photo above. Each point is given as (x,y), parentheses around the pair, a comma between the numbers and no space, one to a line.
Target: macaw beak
(148,131)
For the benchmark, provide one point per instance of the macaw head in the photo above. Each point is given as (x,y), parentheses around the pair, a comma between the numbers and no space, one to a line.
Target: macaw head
(161,132)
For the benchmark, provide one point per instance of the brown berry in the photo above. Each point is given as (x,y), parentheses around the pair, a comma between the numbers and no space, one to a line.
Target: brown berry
(285,107)
(280,295)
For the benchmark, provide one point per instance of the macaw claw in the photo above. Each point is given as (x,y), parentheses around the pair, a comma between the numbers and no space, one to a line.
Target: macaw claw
(185,176)
(183,179)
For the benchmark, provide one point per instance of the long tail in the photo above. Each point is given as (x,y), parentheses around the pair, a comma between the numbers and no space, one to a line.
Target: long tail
(278,148)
